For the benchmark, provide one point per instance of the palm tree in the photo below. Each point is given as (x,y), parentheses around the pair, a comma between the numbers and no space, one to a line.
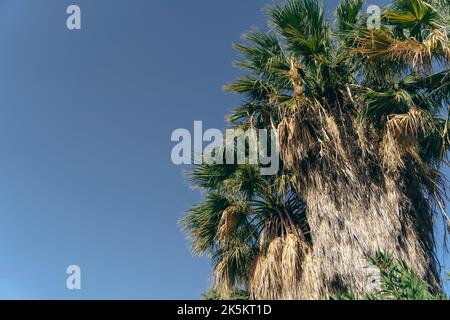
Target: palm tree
(254,228)
(363,130)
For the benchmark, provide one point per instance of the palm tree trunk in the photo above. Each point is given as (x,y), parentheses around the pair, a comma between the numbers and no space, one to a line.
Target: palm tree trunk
(355,208)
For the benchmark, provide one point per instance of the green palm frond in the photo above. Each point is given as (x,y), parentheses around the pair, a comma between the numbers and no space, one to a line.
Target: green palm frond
(212,177)
(263,55)
(303,25)
(255,88)
(348,12)
(435,87)
(380,105)
(202,222)
(413,15)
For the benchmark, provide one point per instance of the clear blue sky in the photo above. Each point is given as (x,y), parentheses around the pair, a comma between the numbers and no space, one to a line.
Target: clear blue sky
(85,122)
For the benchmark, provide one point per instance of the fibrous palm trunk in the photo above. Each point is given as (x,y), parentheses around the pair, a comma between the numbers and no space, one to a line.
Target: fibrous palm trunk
(358,204)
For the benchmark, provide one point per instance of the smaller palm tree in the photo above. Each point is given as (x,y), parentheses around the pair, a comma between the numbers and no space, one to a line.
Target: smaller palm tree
(253,227)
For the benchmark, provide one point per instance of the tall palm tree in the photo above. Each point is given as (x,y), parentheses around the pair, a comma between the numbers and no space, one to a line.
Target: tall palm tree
(363,124)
